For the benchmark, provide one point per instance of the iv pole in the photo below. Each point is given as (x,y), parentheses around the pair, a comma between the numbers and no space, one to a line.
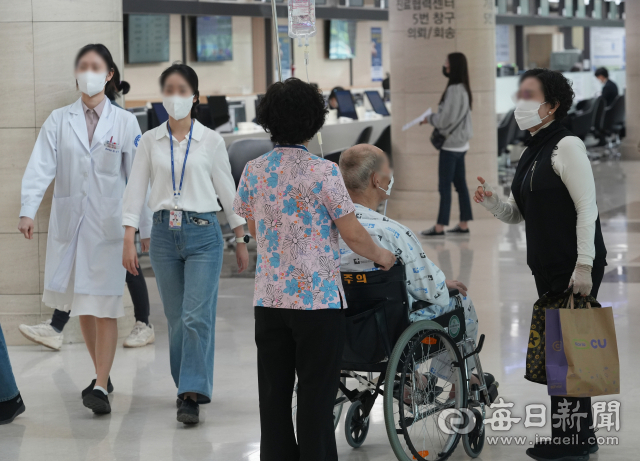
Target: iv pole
(276,38)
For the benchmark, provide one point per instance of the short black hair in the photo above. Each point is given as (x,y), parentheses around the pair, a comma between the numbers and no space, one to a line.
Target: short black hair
(602,72)
(556,88)
(291,111)
(189,75)
(114,85)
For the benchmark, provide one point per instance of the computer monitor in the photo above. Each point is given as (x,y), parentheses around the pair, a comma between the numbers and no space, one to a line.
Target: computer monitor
(346,108)
(219,110)
(377,103)
(158,115)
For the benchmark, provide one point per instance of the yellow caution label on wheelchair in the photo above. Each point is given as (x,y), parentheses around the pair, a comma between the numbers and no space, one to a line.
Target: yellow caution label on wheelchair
(347,277)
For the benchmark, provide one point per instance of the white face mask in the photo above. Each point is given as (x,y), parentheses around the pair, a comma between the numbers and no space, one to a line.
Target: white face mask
(388,190)
(526,114)
(91,83)
(178,107)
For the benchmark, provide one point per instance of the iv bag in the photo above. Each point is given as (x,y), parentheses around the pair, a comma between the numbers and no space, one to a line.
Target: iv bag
(302,18)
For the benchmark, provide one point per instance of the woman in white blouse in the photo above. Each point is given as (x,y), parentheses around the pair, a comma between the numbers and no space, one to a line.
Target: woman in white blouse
(554,193)
(188,167)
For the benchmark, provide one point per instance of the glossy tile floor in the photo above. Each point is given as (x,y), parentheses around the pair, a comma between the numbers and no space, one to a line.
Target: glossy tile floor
(491,262)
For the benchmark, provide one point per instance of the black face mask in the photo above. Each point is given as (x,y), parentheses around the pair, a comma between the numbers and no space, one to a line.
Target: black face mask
(444,71)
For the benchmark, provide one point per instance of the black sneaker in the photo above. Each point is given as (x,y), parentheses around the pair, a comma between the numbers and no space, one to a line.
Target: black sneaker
(189,412)
(97,402)
(550,452)
(9,409)
(458,231)
(92,385)
(431,232)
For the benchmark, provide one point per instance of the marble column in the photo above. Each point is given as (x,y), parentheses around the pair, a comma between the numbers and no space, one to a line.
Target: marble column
(38,43)
(629,148)
(422,34)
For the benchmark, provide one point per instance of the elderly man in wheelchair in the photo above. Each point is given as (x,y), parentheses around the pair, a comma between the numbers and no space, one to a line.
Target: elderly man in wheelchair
(413,327)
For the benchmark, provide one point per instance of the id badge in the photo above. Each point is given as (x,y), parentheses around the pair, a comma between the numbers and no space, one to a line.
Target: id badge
(175,219)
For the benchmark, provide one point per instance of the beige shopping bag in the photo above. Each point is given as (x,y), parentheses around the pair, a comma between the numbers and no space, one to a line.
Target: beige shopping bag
(591,350)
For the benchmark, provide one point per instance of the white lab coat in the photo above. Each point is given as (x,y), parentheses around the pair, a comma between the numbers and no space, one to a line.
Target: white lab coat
(86,212)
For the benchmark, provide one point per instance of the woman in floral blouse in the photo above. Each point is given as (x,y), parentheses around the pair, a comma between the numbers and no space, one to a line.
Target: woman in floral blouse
(295,204)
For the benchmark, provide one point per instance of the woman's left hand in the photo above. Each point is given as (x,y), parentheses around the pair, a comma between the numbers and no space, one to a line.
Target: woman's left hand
(581,280)
(242,256)
(425,121)
(145,244)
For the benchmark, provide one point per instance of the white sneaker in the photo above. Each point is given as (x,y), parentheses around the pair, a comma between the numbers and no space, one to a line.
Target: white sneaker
(43,333)
(141,335)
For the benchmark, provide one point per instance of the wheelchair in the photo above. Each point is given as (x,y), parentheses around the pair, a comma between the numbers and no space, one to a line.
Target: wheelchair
(423,372)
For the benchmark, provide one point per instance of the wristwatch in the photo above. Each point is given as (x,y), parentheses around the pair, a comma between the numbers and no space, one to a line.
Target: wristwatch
(244,239)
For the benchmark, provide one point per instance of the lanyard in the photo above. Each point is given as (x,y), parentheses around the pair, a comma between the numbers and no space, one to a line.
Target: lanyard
(184,163)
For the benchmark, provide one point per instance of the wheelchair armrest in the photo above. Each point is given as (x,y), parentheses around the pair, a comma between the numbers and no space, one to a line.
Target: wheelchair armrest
(417,305)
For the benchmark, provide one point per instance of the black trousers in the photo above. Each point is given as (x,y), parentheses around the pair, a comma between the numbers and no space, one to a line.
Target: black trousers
(451,169)
(139,295)
(557,284)
(309,344)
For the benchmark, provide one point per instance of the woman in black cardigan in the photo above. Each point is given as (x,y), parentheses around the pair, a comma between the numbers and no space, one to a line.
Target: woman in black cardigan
(553,192)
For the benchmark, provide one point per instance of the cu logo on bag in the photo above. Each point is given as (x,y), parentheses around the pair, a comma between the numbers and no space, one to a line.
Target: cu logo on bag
(557,346)
(594,343)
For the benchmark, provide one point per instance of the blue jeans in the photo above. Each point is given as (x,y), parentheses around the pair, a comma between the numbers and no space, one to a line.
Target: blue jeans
(8,388)
(451,170)
(187,263)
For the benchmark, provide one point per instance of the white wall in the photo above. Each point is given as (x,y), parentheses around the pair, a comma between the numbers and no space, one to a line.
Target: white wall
(227,77)
(235,77)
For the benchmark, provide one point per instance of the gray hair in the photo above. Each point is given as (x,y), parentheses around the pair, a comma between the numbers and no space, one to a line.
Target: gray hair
(358,163)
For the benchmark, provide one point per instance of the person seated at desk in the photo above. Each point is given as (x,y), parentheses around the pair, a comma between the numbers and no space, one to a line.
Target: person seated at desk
(609,88)
(333,100)
(368,177)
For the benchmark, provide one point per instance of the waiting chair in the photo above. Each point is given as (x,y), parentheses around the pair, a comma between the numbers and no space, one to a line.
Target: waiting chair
(506,132)
(613,123)
(583,121)
(365,136)
(384,141)
(334,156)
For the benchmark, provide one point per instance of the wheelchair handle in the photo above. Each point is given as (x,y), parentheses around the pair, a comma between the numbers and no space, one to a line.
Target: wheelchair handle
(477,350)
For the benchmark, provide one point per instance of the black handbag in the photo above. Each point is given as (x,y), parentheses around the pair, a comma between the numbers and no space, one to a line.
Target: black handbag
(438,139)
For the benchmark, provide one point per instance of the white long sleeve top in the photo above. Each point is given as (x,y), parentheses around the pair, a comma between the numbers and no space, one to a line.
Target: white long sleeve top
(207,175)
(571,163)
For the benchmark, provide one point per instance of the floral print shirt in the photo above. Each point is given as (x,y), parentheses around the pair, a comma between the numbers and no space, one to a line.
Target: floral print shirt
(293,197)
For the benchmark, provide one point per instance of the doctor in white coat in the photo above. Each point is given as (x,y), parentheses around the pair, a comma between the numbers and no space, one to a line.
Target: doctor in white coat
(88,148)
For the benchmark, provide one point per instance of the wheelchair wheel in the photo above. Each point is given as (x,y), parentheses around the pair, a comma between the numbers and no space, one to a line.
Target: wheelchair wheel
(356,426)
(337,409)
(473,442)
(422,413)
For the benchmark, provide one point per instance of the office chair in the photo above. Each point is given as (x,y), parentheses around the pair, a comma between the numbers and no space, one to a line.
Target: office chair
(242,151)
(364,136)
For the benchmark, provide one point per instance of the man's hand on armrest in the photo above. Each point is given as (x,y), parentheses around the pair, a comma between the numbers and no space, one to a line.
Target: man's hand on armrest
(358,239)
(455,285)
